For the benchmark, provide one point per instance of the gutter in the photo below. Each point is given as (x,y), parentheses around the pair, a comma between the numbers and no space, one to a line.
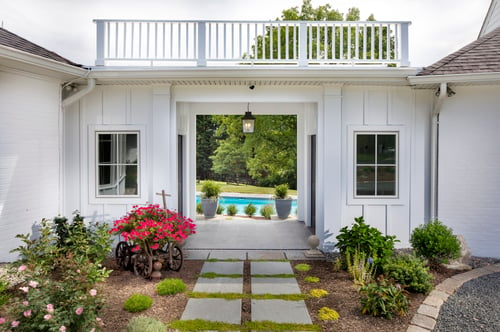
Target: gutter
(91,83)
(434,149)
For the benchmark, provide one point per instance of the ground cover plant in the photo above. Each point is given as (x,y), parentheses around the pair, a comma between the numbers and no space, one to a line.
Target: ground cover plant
(145,324)
(137,302)
(170,286)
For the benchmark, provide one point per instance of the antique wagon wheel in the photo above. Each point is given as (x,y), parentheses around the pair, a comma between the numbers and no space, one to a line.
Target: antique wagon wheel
(123,255)
(176,258)
(143,265)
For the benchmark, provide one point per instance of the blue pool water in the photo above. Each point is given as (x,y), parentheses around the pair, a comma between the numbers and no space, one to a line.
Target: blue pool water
(241,202)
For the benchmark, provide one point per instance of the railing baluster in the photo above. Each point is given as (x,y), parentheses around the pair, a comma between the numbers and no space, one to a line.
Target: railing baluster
(388,42)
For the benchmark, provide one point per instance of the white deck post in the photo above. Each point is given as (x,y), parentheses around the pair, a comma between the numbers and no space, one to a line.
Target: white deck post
(303,44)
(99,61)
(202,44)
(405,62)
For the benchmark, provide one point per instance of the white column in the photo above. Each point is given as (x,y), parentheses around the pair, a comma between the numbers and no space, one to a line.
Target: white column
(162,148)
(329,152)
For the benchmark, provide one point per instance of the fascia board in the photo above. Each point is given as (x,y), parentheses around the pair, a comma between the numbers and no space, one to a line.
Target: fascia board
(40,65)
(457,78)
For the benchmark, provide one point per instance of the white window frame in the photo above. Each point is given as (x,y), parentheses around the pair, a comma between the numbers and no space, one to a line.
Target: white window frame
(401,166)
(94,197)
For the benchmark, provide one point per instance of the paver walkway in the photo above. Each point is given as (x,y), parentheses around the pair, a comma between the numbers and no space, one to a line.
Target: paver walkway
(264,280)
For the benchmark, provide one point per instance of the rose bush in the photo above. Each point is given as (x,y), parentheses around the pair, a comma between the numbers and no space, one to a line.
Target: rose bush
(151,227)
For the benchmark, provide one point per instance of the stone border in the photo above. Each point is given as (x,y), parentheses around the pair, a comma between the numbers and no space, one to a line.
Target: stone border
(428,312)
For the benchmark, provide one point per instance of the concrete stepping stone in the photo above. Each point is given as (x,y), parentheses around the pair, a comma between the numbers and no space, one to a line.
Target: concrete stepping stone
(275,286)
(215,310)
(219,285)
(269,255)
(270,268)
(228,254)
(280,311)
(223,267)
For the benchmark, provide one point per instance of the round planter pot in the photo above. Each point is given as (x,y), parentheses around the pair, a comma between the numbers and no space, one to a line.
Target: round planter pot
(209,207)
(283,207)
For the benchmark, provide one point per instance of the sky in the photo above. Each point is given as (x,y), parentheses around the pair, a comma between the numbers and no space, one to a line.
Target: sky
(439,27)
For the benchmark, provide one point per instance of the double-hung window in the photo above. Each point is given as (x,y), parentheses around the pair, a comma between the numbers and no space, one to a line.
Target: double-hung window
(376,164)
(118,163)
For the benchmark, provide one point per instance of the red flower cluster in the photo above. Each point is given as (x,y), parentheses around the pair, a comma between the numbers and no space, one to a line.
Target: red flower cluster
(150,227)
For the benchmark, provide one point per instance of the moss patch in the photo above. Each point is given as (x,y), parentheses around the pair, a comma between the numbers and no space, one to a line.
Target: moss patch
(213,275)
(203,325)
(303,267)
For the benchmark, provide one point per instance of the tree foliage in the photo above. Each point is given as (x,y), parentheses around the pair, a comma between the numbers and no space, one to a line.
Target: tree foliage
(205,145)
(343,47)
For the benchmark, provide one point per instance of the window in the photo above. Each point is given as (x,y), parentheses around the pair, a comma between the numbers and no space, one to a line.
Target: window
(376,164)
(117,164)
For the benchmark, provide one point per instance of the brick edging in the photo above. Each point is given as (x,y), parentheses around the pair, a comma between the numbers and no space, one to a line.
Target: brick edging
(428,312)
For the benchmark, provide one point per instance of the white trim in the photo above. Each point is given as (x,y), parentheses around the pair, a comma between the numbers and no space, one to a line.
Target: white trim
(92,181)
(455,78)
(402,180)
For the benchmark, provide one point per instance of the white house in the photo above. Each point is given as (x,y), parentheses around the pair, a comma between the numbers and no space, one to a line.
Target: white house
(103,138)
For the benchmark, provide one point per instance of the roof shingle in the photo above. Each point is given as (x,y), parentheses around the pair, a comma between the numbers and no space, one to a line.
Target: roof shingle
(12,40)
(480,56)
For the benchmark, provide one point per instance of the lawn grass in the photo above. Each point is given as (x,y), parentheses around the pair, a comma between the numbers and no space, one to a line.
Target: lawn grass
(245,189)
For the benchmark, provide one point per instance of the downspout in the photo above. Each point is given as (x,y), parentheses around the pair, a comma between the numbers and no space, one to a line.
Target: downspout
(91,83)
(434,149)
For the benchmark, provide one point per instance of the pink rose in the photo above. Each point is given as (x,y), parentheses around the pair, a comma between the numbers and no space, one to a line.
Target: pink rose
(33,283)
(93,292)
(47,317)
(25,303)
(24,289)
(27,313)
(62,329)
(2,320)
(50,308)
(14,323)
(21,268)
(79,311)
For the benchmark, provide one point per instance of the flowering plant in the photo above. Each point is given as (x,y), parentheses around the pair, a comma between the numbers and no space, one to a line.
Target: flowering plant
(151,227)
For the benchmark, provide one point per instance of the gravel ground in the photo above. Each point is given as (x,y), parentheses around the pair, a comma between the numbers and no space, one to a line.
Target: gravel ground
(474,307)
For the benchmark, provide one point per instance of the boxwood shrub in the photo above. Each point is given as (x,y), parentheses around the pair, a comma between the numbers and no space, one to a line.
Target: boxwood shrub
(409,271)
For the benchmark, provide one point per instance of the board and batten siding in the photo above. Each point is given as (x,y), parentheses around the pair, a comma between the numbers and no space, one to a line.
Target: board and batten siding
(381,109)
(469,176)
(144,108)
(492,20)
(29,155)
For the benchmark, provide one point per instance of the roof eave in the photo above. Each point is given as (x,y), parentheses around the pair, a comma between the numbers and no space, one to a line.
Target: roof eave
(17,59)
(472,78)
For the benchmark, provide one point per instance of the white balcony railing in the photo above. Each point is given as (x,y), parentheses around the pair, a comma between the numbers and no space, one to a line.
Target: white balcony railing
(202,43)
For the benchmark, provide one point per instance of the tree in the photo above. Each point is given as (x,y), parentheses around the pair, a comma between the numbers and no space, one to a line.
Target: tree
(205,145)
(266,46)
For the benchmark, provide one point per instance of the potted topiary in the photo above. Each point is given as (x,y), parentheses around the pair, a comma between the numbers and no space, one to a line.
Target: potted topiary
(209,198)
(282,201)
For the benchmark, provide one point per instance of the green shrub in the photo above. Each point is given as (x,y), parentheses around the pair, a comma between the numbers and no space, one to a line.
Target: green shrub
(73,298)
(266,211)
(145,324)
(210,189)
(435,242)
(281,191)
(220,209)
(367,240)
(409,271)
(199,208)
(170,286)
(137,302)
(250,210)
(232,210)
(382,298)
(4,296)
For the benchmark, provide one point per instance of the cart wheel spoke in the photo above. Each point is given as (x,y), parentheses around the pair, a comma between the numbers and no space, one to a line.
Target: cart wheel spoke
(143,265)
(122,255)
(177,258)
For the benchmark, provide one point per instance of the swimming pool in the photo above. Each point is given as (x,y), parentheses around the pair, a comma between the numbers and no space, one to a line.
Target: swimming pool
(241,202)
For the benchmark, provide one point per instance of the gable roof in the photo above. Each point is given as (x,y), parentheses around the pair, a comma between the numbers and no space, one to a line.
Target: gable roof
(480,56)
(12,40)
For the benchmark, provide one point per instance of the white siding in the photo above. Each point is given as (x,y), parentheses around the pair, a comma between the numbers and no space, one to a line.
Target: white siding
(29,155)
(469,158)
(492,20)
(387,108)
